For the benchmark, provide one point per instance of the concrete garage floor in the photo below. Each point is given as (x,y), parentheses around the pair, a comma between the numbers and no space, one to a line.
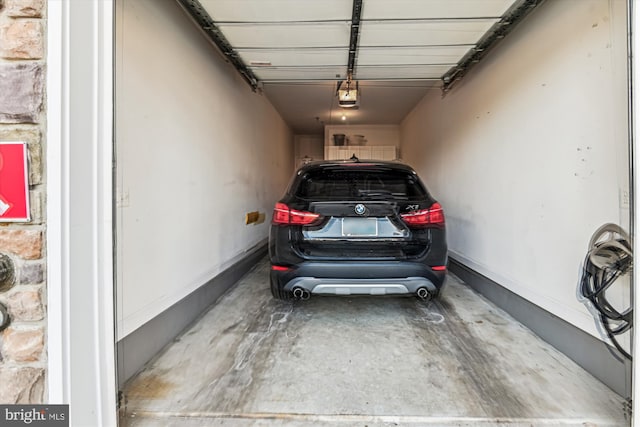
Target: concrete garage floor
(458,361)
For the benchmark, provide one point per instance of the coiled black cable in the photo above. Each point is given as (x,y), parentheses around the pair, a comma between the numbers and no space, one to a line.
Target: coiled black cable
(610,256)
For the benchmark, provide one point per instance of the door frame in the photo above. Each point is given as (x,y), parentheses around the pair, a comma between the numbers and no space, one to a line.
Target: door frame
(81,368)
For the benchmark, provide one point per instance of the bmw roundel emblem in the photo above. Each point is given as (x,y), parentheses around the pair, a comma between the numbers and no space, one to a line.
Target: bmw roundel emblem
(360,209)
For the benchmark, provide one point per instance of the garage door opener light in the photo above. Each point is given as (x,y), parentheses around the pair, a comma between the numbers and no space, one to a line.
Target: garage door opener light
(348,94)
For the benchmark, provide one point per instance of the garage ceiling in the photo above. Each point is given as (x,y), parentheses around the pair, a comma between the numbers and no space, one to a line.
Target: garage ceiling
(297,51)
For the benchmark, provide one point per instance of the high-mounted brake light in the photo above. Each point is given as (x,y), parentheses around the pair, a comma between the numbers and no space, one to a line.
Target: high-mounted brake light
(284,215)
(434,216)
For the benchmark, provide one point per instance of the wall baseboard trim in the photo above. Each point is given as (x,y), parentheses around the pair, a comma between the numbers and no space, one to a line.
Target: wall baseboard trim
(139,347)
(584,349)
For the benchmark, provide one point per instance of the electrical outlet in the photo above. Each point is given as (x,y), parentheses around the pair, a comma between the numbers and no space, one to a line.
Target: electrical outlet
(624,198)
(122,199)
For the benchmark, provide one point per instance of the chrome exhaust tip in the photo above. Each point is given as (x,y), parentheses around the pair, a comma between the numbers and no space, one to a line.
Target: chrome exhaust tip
(301,294)
(424,294)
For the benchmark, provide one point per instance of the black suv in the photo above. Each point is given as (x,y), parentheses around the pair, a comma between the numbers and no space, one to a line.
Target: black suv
(357,227)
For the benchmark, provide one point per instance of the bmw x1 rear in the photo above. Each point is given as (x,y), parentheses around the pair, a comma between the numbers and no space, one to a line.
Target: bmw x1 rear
(357,228)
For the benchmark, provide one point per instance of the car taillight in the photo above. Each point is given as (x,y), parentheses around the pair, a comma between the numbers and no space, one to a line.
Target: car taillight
(284,215)
(425,217)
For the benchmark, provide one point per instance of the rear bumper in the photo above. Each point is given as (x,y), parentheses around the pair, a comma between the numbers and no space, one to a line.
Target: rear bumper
(392,286)
(360,278)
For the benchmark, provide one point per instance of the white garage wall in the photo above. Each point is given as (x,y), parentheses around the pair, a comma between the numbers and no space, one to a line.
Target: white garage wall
(528,154)
(196,150)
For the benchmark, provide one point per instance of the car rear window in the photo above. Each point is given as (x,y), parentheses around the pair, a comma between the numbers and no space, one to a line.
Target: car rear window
(359,183)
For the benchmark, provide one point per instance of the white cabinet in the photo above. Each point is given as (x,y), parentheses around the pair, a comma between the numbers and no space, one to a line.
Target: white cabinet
(374,152)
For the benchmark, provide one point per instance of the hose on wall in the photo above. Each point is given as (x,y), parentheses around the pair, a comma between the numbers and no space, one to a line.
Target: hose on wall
(609,257)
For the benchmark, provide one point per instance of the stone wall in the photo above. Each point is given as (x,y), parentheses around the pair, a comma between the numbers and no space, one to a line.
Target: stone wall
(22,118)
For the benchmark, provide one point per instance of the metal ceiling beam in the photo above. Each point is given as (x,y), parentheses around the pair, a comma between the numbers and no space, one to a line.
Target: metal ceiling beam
(206,23)
(497,32)
(356,13)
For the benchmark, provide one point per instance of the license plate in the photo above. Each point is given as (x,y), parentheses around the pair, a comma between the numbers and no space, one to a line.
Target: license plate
(359,227)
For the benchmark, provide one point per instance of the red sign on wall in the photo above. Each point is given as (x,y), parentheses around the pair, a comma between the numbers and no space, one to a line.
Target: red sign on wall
(14,184)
